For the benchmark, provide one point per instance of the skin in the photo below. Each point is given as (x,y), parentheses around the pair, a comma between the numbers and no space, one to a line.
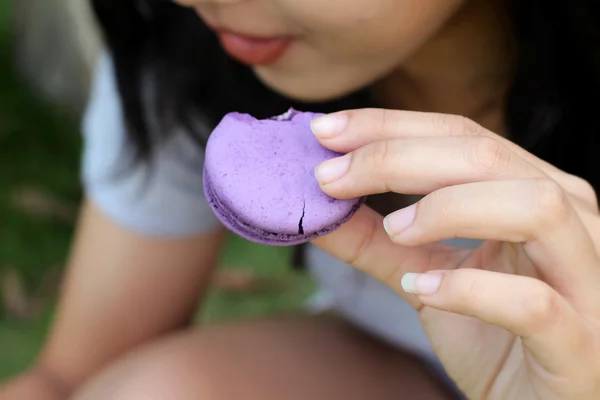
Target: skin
(398,42)
(518,318)
(107,258)
(442,56)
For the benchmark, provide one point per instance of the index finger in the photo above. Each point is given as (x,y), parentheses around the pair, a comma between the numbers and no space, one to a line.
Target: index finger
(346,131)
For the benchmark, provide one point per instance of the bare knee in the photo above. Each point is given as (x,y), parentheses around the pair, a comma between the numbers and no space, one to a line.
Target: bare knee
(263,361)
(168,370)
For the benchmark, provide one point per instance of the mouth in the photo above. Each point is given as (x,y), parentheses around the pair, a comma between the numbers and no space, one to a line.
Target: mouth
(250,49)
(253,50)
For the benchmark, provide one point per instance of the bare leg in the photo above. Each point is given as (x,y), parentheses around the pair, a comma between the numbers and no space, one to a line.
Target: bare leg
(291,359)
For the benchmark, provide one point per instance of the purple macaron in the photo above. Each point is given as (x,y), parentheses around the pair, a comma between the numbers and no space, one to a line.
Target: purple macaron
(259,180)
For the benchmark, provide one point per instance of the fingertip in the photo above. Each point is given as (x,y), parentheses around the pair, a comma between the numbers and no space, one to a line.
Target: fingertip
(332,170)
(330,125)
(426,284)
(408,283)
(401,220)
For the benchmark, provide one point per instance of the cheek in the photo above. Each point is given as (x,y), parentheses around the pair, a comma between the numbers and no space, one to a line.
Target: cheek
(334,17)
(367,27)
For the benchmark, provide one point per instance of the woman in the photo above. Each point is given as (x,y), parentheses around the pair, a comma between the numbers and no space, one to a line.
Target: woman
(498,132)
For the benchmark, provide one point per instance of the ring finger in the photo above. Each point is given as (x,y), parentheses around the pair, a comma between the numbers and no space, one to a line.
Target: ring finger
(534,212)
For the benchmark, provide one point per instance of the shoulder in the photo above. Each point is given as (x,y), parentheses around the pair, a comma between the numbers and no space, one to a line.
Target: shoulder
(104,105)
(165,198)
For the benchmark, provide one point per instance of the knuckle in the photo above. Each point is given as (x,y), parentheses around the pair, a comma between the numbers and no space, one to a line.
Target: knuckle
(583,189)
(369,119)
(383,154)
(551,202)
(359,256)
(380,159)
(540,308)
(447,123)
(441,204)
(362,256)
(463,289)
(488,155)
(456,125)
(468,127)
(383,122)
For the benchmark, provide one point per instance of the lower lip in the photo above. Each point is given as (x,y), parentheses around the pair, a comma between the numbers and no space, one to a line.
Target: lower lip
(254,51)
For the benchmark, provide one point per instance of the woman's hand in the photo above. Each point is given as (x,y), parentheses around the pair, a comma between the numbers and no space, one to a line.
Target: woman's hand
(517,318)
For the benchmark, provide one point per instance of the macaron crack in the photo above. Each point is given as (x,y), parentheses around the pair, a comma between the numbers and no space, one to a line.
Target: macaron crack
(300,227)
(259,174)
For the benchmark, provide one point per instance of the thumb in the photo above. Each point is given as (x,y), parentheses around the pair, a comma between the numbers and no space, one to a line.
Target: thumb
(547,324)
(363,243)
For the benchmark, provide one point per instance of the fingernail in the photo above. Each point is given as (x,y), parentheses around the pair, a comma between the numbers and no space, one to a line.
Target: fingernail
(425,284)
(328,126)
(332,170)
(400,220)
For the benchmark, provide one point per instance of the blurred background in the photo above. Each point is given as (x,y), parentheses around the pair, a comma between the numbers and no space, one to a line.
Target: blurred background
(47,52)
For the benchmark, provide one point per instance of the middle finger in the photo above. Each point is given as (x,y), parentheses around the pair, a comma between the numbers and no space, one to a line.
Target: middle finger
(535,213)
(421,165)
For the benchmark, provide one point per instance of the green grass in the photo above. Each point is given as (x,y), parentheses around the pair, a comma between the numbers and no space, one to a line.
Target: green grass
(39,148)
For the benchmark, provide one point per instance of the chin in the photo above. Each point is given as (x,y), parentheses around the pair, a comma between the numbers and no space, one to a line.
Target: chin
(313,88)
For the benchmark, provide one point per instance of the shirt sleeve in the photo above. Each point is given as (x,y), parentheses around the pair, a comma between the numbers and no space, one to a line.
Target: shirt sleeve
(165,198)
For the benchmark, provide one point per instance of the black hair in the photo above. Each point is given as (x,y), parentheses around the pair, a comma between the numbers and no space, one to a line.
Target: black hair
(171,72)
(551,108)
(554,97)
(159,46)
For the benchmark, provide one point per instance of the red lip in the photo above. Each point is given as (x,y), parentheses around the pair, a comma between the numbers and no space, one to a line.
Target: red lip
(253,50)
